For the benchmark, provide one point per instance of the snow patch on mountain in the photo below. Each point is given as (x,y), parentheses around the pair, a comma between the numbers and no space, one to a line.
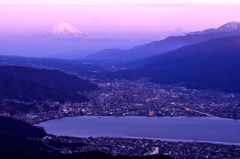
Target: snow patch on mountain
(228,27)
(65,30)
(231,26)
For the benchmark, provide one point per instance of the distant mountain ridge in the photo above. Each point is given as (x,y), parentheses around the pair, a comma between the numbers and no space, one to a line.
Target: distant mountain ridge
(228,27)
(170,43)
(213,64)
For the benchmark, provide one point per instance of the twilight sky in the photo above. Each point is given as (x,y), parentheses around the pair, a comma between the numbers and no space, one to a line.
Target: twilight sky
(133,20)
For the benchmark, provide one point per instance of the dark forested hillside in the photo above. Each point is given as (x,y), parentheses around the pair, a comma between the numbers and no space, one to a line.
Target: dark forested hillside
(67,66)
(29,84)
(16,139)
(54,78)
(20,128)
(27,90)
(213,65)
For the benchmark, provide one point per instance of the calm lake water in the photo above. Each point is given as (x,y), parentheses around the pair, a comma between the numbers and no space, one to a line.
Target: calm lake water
(177,128)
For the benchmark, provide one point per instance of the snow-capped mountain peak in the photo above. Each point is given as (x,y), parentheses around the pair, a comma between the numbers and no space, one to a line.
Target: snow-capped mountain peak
(65,29)
(229,26)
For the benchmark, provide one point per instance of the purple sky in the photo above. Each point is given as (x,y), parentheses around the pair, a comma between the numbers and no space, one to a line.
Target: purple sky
(133,20)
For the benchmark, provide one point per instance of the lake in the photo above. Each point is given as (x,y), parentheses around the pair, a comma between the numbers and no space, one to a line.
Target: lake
(209,129)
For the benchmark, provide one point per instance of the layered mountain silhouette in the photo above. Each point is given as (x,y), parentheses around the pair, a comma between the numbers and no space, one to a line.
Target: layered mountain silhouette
(213,64)
(28,84)
(229,27)
(168,44)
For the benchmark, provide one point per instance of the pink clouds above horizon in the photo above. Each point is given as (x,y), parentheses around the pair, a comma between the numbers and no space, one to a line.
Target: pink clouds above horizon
(112,23)
(133,19)
(119,2)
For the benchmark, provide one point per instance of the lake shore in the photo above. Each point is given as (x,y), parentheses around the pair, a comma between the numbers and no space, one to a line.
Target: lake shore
(123,124)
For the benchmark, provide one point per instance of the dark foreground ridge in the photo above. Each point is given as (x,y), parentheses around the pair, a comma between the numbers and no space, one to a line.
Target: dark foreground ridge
(19,140)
